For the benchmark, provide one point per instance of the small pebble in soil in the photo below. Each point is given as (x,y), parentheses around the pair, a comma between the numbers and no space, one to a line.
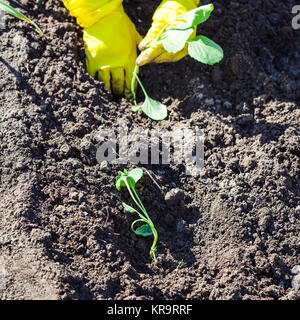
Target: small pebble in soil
(65,149)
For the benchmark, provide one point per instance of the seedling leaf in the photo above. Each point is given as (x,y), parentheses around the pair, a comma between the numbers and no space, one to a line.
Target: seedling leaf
(197,15)
(144,230)
(131,177)
(174,40)
(129,180)
(120,181)
(154,109)
(205,50)
(136,174)
(12,11)
(128,208)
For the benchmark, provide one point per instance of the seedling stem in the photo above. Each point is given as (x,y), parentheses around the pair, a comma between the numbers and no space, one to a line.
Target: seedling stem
(128,180)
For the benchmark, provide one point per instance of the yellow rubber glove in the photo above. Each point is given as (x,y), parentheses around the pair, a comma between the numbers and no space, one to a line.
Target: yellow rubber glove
(111,41)
(166,12)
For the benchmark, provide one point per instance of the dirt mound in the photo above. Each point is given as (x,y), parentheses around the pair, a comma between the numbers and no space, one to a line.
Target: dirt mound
(64,233)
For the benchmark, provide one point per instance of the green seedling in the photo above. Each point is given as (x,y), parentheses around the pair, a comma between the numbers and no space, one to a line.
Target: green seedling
(180,265)
(147,229)
(152,108)
(12,11)
(173,40)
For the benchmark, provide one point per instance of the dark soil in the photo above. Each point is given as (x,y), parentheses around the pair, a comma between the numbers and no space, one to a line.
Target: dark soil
(63,231)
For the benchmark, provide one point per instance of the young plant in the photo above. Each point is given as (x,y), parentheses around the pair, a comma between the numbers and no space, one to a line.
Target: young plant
(152,108)
(180,265)
(129,180)
(173,40)
(12,11)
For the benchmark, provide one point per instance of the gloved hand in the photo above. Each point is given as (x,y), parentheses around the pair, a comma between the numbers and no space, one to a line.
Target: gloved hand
(166,12)
(111,41)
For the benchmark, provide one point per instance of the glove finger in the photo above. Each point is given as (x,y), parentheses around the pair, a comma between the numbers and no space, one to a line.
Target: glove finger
(128,77)
(143,44)
(168,57)
(117,80)
(89,64)
(104,75)
(151,35)
(149,55)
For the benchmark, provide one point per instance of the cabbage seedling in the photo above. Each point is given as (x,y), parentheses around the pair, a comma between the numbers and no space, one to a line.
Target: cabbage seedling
(152,108)
(174,39)
(129,180)
(201,48)
(12,11)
